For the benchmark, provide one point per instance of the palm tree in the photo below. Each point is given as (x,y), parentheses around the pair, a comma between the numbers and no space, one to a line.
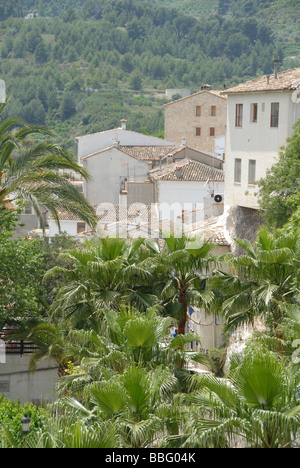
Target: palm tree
(51,340)
(67,431)
(182,269)
(135,400)
(125,338)
(29,172)
(105,273)
(264,278)
(257,406)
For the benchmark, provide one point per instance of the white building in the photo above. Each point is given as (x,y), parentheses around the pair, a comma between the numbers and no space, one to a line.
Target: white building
(188,189)
(95,142)
(261,114)
(112,169)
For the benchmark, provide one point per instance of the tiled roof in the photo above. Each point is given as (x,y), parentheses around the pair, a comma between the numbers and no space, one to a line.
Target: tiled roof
(64,215)
(214,92)
(148,152)
(108,213)
(286,80)
(213,230)
(145,153)
(188,170)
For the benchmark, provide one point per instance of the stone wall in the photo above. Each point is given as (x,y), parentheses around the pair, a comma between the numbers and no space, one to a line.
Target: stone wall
(242,223)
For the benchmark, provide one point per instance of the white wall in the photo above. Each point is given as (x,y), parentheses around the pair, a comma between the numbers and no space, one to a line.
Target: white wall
(68,226)
(107,169)
(91,143)
(256,141)
(184,194)
(17,383)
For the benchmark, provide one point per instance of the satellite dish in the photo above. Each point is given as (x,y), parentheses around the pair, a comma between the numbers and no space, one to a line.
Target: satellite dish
(218,198)
(296,96)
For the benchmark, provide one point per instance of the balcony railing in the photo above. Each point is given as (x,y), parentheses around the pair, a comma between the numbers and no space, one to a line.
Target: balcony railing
(16,346)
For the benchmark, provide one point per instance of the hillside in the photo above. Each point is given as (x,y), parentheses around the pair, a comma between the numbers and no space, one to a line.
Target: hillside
(80,66)
(282,16)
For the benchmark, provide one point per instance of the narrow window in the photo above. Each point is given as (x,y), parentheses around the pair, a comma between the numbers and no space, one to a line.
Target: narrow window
(237,171)
(28,210)
(239,115)
(213,111)
(80,227)
(254,108)
(274,114)
(198,131)
(252,171)
(212,131)
(198,111)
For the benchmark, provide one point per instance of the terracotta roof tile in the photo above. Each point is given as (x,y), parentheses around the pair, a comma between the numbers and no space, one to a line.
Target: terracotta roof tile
(149,152)
(188,170)
(287,80)
(211,91)
(64,215)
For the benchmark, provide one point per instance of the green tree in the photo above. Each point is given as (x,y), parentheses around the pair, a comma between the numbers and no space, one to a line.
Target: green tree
(258,405)
(266,276)
(41,53)
(124,338)
(29,171)
(22,294)
(279,191)
(104,273)
(181,270)
(68,105)
(137,400)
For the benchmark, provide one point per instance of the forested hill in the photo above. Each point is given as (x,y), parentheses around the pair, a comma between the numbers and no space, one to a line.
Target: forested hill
(80,66)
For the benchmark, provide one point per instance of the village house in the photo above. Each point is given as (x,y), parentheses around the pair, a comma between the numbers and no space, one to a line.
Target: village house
(188,189)
(122,168)
(89,144)
(200,119)
(116,168)
(261,116)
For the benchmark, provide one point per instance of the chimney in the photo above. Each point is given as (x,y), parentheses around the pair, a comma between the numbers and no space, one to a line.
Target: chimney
(183,141)
(276,60)
(178,172)
(123,124)
(268,80)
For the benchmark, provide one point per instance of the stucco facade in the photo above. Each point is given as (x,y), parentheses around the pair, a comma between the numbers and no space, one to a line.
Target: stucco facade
(91,143)
(199,118)
(110,170)
(261,116)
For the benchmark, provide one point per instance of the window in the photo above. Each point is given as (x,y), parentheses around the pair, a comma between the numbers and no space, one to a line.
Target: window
(28,210)
(239,115)
(254,108)
(212,131)
(237,171)
(198,111)
(198,131)
(213,111)
(252,171)
(274,114)
(80,227)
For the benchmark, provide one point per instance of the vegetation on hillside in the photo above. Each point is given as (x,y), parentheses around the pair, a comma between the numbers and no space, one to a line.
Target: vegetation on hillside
(82,68)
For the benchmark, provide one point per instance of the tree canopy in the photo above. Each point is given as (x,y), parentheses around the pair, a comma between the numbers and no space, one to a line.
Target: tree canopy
(279,191)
